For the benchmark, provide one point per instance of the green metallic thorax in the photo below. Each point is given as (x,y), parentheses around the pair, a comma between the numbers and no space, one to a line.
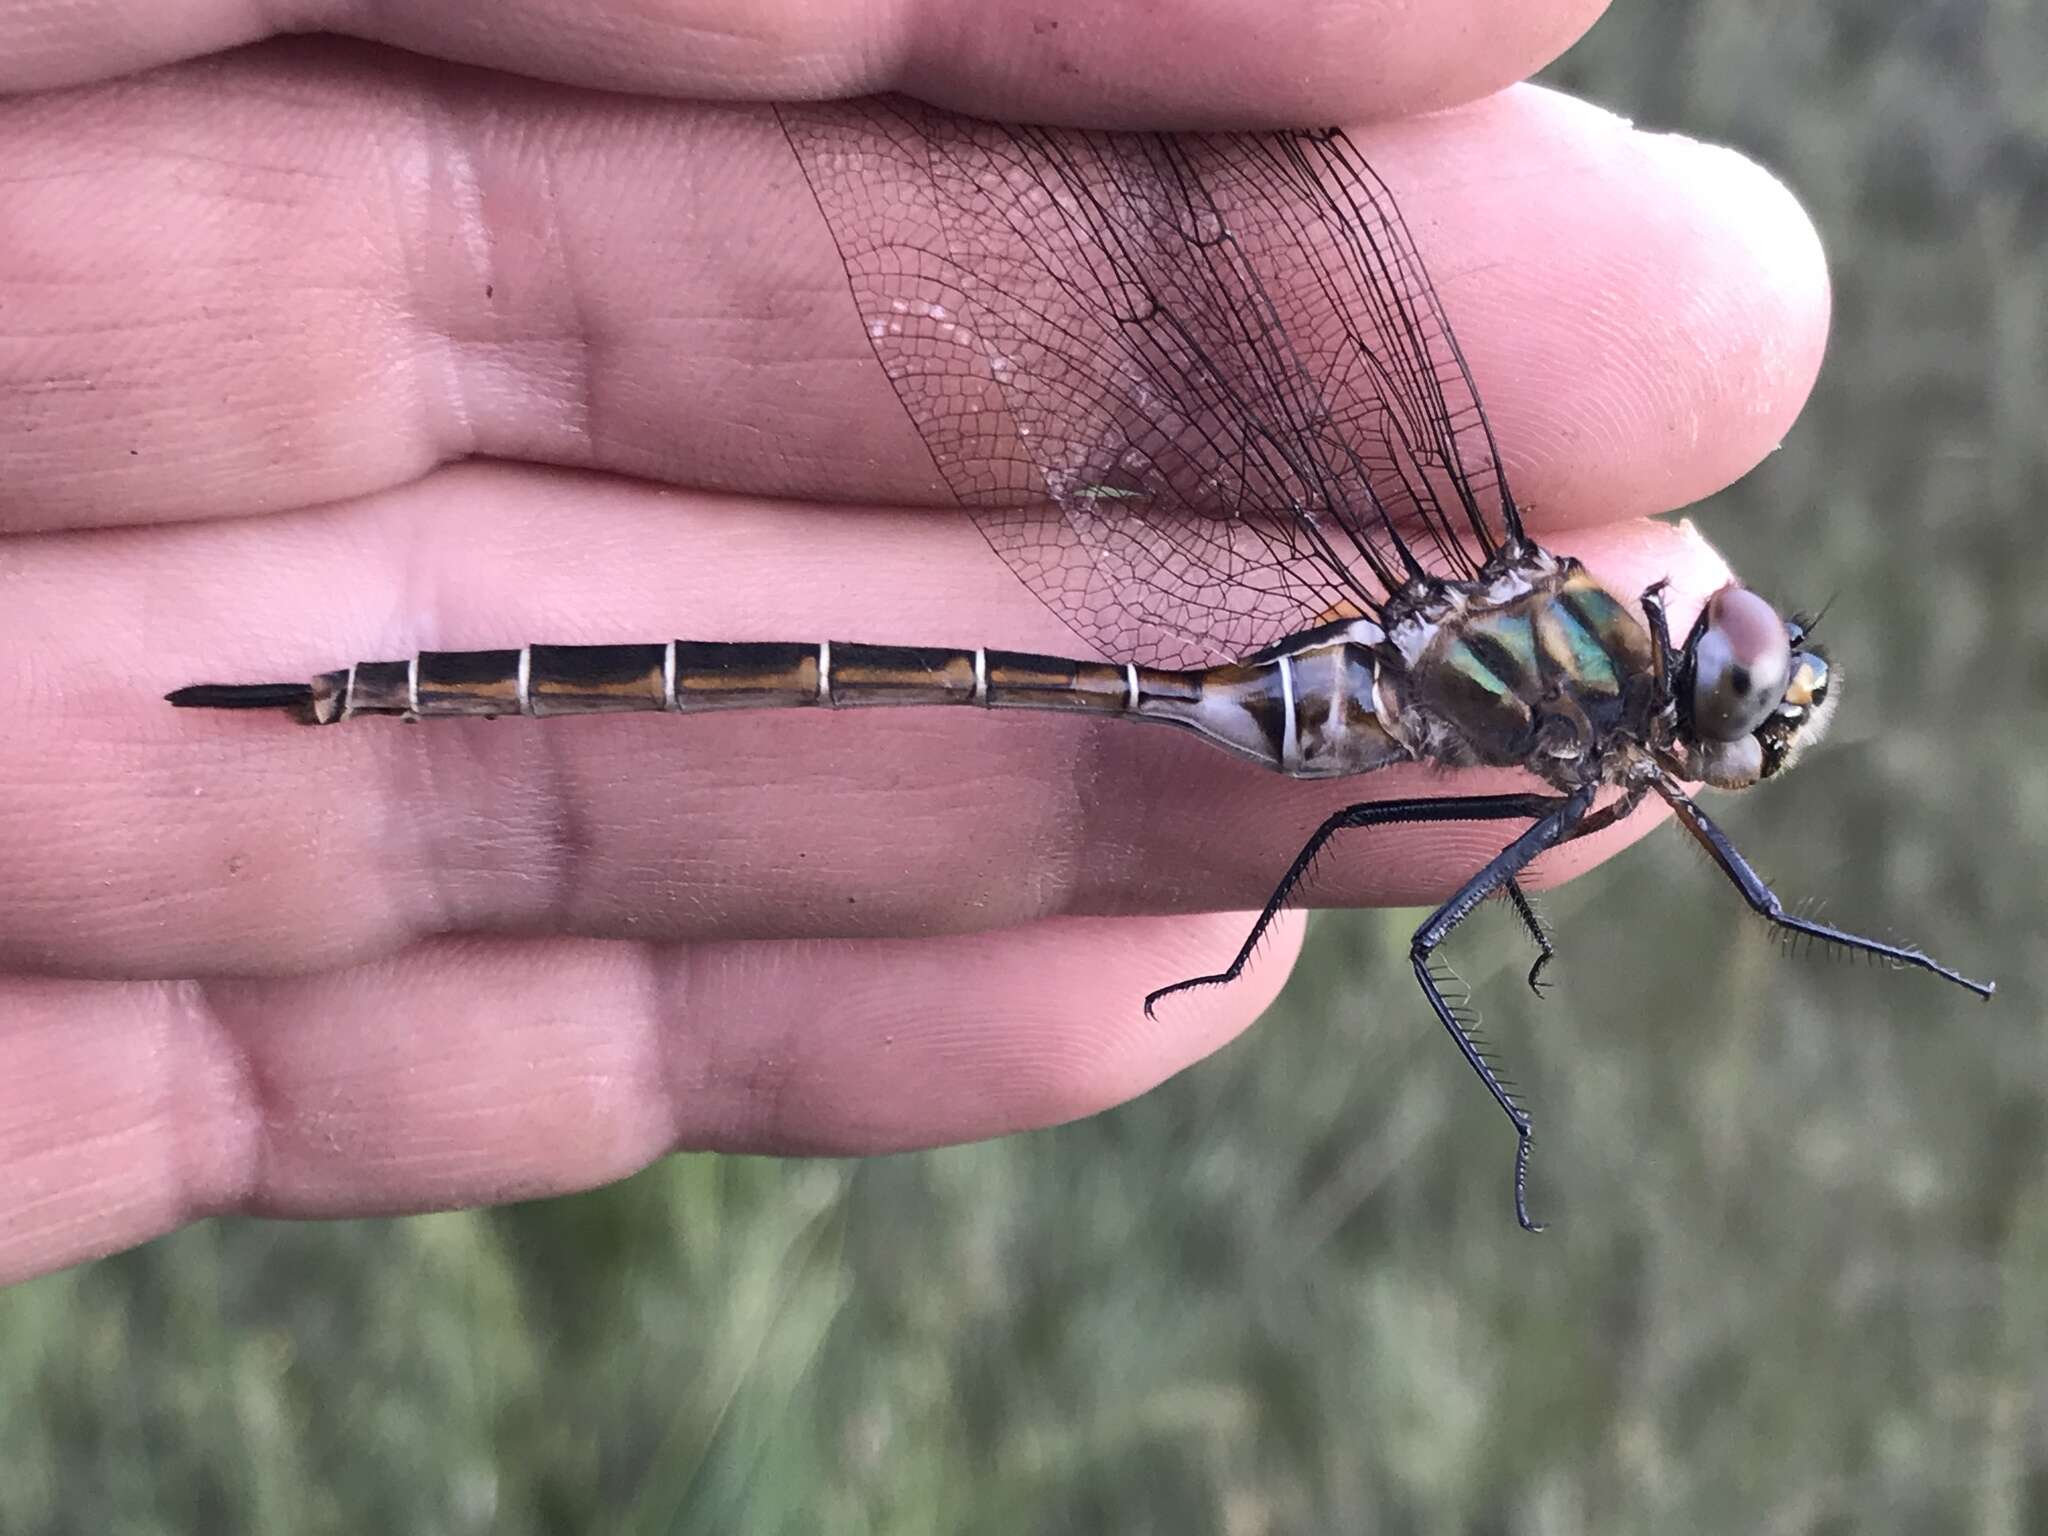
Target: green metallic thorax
(1553,680)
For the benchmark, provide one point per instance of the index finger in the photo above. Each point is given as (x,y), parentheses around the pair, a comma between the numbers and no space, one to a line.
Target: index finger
(1243,63)
(143,841)
(375,274)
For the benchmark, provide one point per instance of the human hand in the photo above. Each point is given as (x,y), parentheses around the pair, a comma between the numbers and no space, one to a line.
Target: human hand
(256,309)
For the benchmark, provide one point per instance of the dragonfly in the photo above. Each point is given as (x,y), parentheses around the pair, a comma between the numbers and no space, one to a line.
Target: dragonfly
(1199,394)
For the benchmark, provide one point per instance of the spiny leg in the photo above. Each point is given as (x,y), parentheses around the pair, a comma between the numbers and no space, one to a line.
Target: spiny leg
(1372,813)
(1525,909)
(1558,819)
(1532,925)
(1763,900)
(1554,817)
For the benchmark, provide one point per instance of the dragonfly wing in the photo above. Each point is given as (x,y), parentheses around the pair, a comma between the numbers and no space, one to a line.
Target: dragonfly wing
(1196,391)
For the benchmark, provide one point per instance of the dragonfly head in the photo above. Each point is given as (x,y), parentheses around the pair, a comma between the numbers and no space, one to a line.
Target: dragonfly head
(1754,691)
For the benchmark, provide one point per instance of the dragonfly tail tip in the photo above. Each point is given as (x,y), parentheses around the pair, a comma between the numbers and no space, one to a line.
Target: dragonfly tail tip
(292,696)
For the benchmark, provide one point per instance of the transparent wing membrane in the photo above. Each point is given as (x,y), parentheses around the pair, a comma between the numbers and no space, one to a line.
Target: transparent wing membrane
(1196,391)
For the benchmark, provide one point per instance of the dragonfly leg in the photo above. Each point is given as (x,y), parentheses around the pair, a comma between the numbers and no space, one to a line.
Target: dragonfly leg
(1554,819)
(1557,817)
(1532,924)
(1763,900)
(1660,636)
(1525,909)
(1373,813)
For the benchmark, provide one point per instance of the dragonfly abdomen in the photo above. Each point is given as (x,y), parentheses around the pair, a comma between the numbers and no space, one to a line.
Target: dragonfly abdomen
(688,677)
(1306,713)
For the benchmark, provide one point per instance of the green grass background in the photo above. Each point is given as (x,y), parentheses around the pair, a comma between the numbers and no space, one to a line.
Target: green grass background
(1799,1277)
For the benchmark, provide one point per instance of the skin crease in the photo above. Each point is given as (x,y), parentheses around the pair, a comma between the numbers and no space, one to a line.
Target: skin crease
(258,309)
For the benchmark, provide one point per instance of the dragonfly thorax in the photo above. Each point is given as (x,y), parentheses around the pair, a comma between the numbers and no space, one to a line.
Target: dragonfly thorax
(1536,666)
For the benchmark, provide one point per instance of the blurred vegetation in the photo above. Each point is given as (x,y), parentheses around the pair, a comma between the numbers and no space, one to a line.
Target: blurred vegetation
(1799,1281)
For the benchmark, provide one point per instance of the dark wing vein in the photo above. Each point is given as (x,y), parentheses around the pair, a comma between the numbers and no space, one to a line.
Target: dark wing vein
(1197,392)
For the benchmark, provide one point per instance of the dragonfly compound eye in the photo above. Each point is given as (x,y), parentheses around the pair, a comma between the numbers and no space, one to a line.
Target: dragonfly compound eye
(1742,667)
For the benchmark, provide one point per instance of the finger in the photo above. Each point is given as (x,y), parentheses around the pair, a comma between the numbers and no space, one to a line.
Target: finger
(143,840)
(364,277)
(464,1073)
(1207,61)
